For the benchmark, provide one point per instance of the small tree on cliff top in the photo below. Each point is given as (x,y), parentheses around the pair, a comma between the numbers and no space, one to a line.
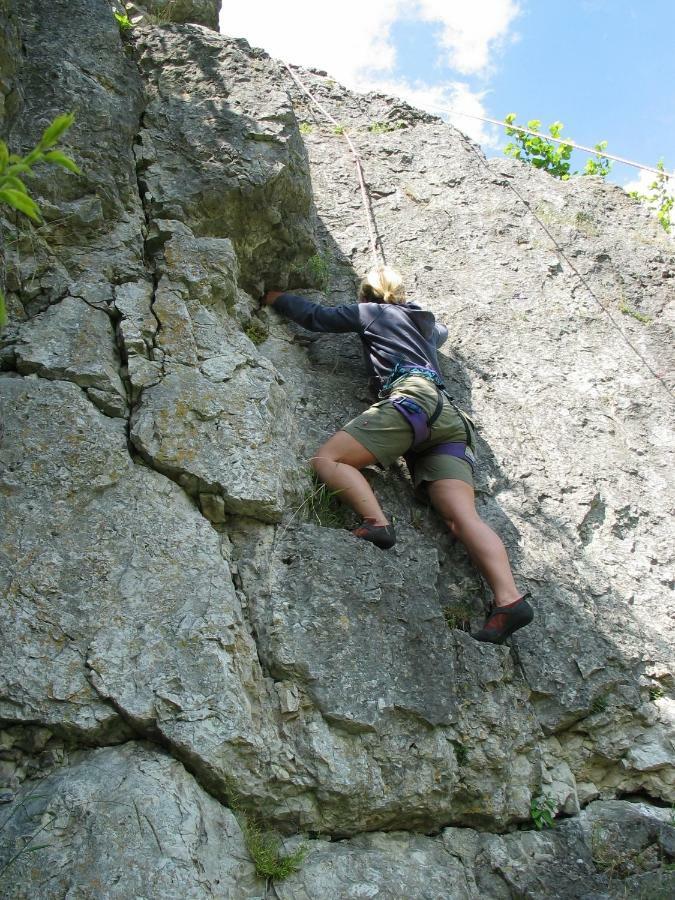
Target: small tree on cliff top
(547,155)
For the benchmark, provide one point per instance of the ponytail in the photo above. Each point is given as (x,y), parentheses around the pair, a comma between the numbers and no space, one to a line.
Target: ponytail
(383,285)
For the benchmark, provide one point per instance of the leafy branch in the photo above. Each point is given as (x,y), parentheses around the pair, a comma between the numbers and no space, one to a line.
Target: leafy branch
(659,197)
(14,168)
(548,155)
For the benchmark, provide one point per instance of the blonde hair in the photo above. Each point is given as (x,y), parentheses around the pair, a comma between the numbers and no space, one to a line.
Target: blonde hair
(383,285)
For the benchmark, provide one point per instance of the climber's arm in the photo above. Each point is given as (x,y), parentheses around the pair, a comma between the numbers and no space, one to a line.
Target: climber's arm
(312,316)
(440,334)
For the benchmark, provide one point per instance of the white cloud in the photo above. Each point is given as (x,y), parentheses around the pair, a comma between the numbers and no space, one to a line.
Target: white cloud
(355,46)
(643,182)
(355,41)
(470,31)
(347,44)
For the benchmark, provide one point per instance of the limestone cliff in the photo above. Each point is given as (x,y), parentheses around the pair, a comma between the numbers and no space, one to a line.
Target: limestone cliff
(181,628)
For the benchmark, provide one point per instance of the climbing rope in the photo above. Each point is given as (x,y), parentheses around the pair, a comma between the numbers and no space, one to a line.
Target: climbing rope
(581,278)
(375,243)
(547,137)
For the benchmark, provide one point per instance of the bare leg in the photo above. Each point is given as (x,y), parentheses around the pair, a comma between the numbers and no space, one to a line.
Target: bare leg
(454,500)
(337,464)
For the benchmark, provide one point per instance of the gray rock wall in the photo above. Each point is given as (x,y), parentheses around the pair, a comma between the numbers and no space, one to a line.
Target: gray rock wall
(182,632)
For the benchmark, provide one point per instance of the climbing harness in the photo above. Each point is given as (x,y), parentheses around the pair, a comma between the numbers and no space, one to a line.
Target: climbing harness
(375,242)
(420,421)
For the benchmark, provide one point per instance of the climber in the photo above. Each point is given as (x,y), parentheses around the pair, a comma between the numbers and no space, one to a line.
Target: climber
(415,418)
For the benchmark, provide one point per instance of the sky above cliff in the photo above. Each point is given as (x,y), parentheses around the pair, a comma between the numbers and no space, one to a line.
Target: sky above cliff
(605,68)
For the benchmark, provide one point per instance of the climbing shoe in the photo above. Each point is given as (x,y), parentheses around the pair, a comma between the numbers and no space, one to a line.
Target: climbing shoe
(504,620)
(383,536)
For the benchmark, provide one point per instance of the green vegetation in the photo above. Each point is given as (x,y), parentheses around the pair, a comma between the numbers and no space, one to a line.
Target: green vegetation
(542,809)
(338,129)
(123,21)
(316,271)
(656,692)
(659,198)
(305,127)
(162,16)
(457,615)
(384,127)
(322,506)
(263,846)
(265,850)
(14,168)
(629,311)
(38,827)
(256,331)
(600,704)
(461,752)
(549,156)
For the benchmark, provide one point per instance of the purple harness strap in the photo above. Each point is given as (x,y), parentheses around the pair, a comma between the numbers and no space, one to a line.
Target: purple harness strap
(418,420)
(454,448)
(415,416)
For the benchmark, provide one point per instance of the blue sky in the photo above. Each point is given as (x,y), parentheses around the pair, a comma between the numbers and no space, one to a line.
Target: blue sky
(605,68)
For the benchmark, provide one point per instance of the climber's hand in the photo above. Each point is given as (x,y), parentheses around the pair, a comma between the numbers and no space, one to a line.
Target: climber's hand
(270,297)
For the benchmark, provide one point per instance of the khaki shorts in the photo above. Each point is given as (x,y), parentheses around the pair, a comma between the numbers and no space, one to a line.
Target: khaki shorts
(383,431)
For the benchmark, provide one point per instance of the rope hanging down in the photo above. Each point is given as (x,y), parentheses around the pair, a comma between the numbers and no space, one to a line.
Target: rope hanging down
(375,243)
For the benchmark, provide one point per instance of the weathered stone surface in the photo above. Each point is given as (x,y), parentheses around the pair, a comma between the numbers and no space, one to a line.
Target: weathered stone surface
(72,341)
(217,418)
(222,153)
(613,850)
(93,221)
(370,648)
(198,12)
(122,822)
(98,589)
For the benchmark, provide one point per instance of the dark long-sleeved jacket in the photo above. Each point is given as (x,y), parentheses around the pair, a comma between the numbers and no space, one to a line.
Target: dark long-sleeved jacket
(391,333)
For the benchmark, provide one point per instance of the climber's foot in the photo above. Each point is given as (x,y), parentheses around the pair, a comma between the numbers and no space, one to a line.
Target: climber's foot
(504,620)
(383,536)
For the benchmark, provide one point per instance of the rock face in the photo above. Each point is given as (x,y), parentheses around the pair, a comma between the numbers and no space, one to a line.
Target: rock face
(183,633)
(163,12)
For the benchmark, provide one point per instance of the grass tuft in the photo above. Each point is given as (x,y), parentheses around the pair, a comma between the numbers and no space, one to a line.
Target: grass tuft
(638,316)
(265,850)
(316,271)
(458,615)
(256,331)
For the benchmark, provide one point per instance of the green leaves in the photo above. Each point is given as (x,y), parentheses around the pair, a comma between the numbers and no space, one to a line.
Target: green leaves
(60,159)
(13,192)
(123,21)
(547,155)
(13,168)
(659,197)
(56,130)
(21,201)
(542,810)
